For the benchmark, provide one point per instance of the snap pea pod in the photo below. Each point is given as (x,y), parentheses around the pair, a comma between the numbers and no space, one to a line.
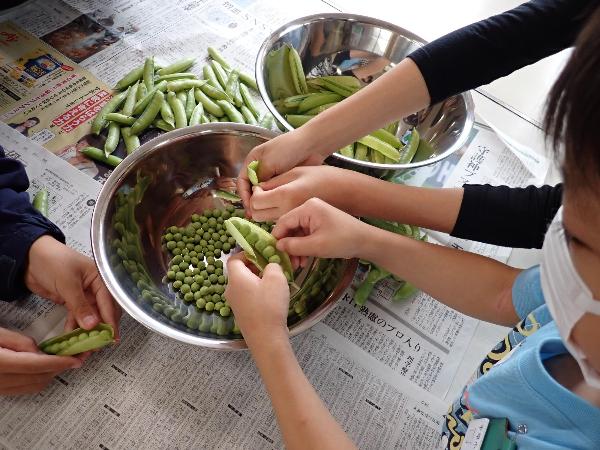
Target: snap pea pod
(190,104)
(331,85)
(98,155)
(408,151)
(253,172)
(298,77)
(386,136)
(315,100)
(149,114)
(380,146)
(196,116)
(226,195)
(79,341)
(392,128)
(295,100)
(148,74)
(248,101)
(178,110)
(177,67)
(209,105)
(203,117)
(214,54)
(279,74)
(266,121)
(99,121)
(130,100)
(348,81)
(248,116)
(182,96)
(260,246)
(216,93)
(184,85)
(130,78)
(120,118)
(162,125)
(225,119)
(209,75)
(377,157)
(233,114)
(297,120)
(375,275)
(141,104)
(404,291)
(131,141)
(141,92)
(361,151)
(404,230)
(232,89)
(321,108)
(348,151)
(424,151)
(220,73)
(112,138)
(248,80)
(167,113)
(177,76)
(40,202)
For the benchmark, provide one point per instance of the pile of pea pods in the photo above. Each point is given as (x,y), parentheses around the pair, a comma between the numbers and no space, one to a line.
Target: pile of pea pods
(170,97)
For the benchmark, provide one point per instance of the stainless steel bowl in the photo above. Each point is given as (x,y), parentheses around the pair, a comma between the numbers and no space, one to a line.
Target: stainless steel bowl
(162,184)
(325,43)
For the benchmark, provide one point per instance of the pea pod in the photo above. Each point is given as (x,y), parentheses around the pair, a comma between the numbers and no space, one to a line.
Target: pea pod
(120,118)
(209,75)
(348,151)
(248,80)
(253,172)
(248,116)
(131,140)
(148,74)
(214,54)
(404,292)
(297,72)
(408,151)
(99,121)
(40,202)
(98,155)
(177,76)
(112,138)
(196,115)
(229,196)
(141,93)
(130,100)
(220,73)
(141,104)
(167,113)
(315,100)
(130,78)
(231,88)
(178,110)
(321,108)
(162,125)
(216,93)
(259,245)
(375,275)
(209,105)
(297,120)
(279,74)
(184,85)
(149,114)
(424,151)
(233,114)
(79,341)
(266,121)
(190,104)
(386,136)
(380,146)
(177,67)
(361,151)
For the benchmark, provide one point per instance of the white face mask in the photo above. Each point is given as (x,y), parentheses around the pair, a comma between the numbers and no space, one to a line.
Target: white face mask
(567,296)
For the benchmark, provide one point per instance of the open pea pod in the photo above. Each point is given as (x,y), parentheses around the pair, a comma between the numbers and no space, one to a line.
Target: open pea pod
(259,245)
(79,341)
(252,171)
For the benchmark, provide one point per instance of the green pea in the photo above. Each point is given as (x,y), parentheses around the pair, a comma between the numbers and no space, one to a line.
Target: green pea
(200,303)
(187,258)
(218,289)
(198,279)
(184,252)
(204,273)
(194,287)
(203,219)
(213,278)
(275,259)
(203,291)
(219,271)
(195,217)
(188,272)
(171,275)
(207,213)
(197,295)
(231,241)
(176,251)
(168,237)
(209,306)
(177,259)
(210,248)
(198,248)
(206,236)
(171,245)
(194,261)
(184,265)
(211,253)
(188,280)
(185,288)
(210,268)
(218,304)
(181,244)
(206,283)
(188,297)
(220,220)
(218,245)
(261,245)
(252,238)
(193,253)
(189,246)
(225,311)
(217,252)
(177,284)
(268,251)
(226,247)
(221,279)
(180,276)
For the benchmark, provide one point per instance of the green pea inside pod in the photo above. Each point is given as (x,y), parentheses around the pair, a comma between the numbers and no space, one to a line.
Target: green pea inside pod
(79,341)
(243,230)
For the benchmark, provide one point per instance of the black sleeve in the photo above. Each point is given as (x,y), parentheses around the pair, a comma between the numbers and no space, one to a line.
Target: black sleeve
(511,217)
(20,226)
(484,51)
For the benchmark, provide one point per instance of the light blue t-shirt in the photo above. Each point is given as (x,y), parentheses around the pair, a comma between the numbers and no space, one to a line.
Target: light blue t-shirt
(512,382)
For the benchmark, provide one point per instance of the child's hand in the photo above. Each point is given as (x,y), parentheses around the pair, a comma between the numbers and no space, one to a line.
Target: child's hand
(318,229)
(280,194)
(260,305)
(276,157)
(24,369)
(64,276)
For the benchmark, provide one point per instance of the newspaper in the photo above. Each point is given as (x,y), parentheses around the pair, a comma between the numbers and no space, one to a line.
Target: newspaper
(382,369)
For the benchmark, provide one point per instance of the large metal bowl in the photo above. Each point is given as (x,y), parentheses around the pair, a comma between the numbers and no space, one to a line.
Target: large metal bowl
(162,184)
(331,43)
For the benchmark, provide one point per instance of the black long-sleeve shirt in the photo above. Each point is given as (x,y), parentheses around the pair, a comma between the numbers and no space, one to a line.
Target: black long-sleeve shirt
(478,54)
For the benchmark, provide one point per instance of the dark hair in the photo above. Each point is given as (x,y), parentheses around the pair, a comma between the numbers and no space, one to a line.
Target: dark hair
(33,118)
(573,109)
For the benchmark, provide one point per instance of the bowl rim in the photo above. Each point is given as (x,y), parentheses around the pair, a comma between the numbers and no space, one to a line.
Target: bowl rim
(305,20)
(99,245)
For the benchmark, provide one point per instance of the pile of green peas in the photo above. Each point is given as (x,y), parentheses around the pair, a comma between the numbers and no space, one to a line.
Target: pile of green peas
(195,271)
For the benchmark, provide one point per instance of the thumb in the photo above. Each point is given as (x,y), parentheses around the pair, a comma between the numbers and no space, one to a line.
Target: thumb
(277,181)
(299,245)
(274,272)
(80,308)
(17,341)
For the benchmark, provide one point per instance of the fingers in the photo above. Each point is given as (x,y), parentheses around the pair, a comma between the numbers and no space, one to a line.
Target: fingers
(238,273)
(290,222)
(77,303)
(279,180)
(301,246)
(109,311)
(274,273)
(17,341)
(264,204)
(13,380)
(244,189)
(21,390)
(25,362)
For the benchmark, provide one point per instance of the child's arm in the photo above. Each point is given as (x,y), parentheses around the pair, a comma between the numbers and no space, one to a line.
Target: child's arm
(470,283)
(260,307)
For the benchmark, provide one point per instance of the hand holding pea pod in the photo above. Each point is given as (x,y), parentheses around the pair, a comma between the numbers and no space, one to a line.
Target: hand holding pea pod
(260,305)
(24,369)
(64,276)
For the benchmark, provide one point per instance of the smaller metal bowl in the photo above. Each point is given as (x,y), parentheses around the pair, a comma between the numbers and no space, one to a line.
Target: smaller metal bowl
(163,183)
(331,43)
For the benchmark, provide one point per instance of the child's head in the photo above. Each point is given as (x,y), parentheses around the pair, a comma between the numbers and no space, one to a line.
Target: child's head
(573,119)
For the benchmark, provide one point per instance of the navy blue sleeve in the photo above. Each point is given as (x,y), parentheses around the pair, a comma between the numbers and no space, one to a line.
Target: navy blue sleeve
(511,217)
(487,50)
(20,226)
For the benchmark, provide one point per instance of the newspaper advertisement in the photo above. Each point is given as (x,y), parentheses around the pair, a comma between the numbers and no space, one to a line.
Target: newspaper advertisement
(44,95)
